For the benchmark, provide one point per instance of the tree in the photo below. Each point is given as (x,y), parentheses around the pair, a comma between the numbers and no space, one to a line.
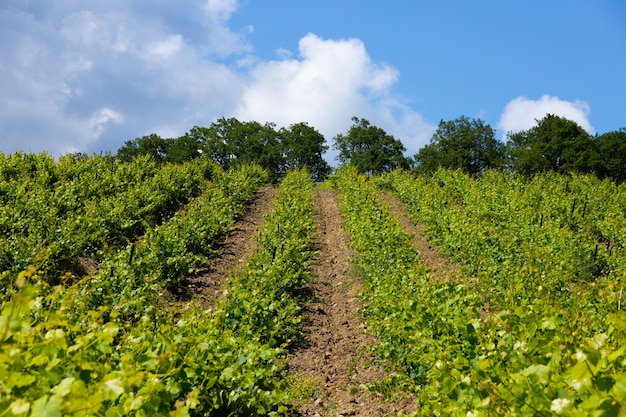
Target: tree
(184,148)
(370,149)
(260,144)
(554,144)
(152,145)
(302,146)
(229,142)
(214,141)
(464,144)
(612,149)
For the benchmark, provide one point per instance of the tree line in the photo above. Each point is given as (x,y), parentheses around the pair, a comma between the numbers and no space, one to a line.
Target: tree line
(229,142)
(553,144)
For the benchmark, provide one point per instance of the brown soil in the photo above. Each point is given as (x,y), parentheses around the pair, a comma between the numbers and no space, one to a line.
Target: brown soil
(332,367)
(205,288)
(334,362)
(441,266)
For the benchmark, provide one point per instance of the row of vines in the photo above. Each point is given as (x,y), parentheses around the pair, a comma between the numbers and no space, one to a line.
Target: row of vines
(90,249)
(52,214)
(535,326)
(102,340)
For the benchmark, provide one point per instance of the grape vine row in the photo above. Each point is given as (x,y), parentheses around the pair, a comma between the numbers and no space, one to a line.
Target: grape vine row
(104,346)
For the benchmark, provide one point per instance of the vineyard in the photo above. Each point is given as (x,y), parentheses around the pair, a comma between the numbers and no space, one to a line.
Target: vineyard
(99,316)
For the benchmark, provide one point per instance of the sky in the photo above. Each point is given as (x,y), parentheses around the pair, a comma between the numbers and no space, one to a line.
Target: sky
(88,75)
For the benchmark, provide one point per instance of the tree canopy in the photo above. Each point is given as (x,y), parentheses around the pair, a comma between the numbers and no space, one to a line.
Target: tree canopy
(152,145)
(229,142)
(554,144)
(302,145)
(370,149)
(238,142)
(463,143)
(612,149)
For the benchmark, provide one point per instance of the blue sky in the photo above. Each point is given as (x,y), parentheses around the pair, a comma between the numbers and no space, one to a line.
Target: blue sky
(85,75)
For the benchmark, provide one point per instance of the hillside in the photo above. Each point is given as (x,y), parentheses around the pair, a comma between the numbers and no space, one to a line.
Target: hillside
(143,289)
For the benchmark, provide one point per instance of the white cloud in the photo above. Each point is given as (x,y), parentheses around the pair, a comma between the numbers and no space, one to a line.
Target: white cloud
(166,48)
(331,81)
(71,69)
(97,121)
(83,75)
(86,28)
(221,9)
(403,123)
(521,113)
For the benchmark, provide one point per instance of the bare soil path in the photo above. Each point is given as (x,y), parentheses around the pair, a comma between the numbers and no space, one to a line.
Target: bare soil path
(334,359)
(442,267)
(206,288)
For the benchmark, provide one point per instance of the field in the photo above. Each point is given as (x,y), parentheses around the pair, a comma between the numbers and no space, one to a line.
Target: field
(183,290)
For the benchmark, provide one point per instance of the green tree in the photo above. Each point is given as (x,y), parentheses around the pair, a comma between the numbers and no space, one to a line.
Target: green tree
(612,149)
(184,148)
(302,145)
(214,141)
(554,144)
(230,141)
(469,145)
(152,145)
(370,149)
(260,143)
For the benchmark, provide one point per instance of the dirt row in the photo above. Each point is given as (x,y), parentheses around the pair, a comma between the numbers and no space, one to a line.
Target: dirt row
(206,287)
(335,361)
(441,266)
(333,366)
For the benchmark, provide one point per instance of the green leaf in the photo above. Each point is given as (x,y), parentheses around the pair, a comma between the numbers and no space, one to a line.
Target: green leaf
(580,376)
(64,387)
(135,403)
(19,406)
(619,387)
(18,379)
(48,406)
(549,323)
(539,370)
(114,387)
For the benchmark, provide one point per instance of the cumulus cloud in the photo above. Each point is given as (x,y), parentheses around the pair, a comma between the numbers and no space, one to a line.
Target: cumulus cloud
(402,122)
(85,75)
(521,113)
(75,75)
(330,81)
(325,87)
(221,9)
